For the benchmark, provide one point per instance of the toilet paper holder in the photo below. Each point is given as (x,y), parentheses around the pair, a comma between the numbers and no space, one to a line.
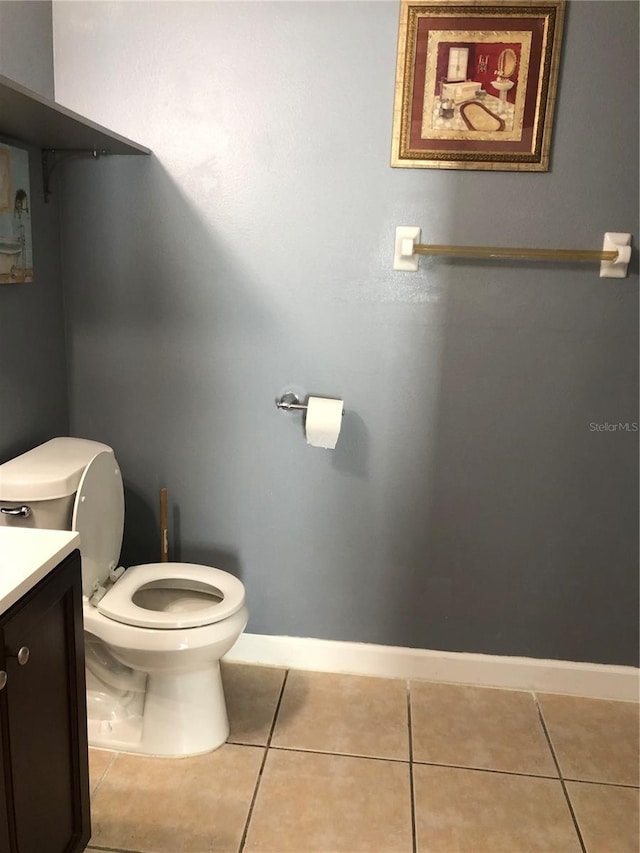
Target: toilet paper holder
(290,402)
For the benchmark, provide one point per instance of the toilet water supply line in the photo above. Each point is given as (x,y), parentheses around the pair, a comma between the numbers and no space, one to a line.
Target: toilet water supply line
(164,532)
(100,588)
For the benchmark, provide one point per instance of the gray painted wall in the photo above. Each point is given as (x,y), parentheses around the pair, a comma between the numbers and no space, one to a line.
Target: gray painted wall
(33,385)
(469,505)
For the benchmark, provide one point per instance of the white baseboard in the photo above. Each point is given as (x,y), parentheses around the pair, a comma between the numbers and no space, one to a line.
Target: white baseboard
(598,681)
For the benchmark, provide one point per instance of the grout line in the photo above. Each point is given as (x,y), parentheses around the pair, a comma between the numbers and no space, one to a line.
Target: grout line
(339,754)
(564,787)
(112,849)
(414,839)
(99,847)
(556,777)
(606,784)
(488,770)
(414,761)
(277,711)
(95,790)
(264,760)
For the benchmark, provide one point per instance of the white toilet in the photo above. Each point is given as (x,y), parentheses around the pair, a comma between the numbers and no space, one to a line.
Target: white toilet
(155,633)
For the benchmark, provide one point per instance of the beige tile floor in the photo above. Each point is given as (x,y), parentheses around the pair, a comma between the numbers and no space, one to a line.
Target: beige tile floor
(323,763)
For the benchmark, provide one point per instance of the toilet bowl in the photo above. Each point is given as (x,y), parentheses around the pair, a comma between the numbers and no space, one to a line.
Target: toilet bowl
(154,633)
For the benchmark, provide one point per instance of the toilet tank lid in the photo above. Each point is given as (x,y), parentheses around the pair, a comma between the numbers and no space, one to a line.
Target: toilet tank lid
(51,470)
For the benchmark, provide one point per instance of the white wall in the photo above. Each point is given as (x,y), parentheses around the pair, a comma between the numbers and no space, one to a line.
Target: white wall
(467,506)
(26,43)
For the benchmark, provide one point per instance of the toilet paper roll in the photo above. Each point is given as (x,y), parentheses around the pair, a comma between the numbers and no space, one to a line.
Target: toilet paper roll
(323,422)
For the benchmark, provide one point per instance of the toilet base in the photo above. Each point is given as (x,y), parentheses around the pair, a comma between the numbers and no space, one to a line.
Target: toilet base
(184,714)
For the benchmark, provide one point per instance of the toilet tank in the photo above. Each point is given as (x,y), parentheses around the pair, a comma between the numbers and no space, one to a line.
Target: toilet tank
(46,480)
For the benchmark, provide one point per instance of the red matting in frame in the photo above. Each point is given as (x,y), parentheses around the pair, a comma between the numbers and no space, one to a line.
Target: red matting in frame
(536,26)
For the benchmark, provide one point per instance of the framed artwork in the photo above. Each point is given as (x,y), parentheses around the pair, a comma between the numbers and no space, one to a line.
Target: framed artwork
(16,258)
(476,84)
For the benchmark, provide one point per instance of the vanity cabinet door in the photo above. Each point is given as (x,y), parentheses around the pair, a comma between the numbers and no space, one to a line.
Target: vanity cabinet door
(5,779)
(46,714)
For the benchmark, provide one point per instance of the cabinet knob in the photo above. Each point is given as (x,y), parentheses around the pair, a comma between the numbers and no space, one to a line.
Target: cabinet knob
(22,655)
(3,679)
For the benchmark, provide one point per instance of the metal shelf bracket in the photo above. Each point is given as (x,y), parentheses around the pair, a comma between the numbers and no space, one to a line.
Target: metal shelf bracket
(52,157)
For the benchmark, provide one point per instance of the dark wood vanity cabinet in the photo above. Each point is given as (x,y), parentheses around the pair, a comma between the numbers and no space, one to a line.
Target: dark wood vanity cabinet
(44,777)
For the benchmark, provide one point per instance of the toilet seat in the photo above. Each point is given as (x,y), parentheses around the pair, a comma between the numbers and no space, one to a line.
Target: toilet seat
(226,594)
(169,595)
(98,516)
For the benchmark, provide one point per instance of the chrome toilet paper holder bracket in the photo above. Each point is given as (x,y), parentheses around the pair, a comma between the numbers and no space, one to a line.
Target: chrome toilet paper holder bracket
(290,402)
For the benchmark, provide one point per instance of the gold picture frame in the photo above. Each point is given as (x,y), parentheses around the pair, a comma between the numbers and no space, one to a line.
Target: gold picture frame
(476,84)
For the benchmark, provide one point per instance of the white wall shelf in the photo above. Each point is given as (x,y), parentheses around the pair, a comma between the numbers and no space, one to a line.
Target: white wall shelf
(26,116)
(34,119)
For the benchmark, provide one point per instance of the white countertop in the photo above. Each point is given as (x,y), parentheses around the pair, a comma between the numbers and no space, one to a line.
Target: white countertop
(26,556)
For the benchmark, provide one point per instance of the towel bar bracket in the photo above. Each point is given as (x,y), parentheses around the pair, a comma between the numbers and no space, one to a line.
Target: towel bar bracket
(621,245)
